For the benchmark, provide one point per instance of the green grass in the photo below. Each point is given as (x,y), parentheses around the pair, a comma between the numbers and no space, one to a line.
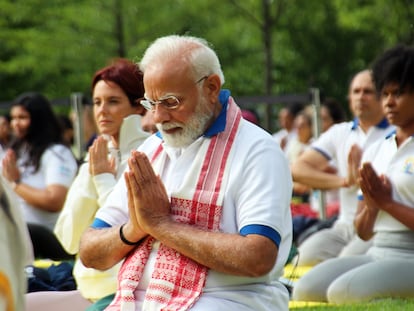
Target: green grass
(380,305)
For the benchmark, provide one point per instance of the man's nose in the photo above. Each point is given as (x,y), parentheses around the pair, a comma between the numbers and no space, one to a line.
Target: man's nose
(160,114)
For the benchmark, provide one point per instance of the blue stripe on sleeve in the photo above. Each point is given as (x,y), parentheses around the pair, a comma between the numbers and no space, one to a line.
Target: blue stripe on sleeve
(262,230)
(99,224)
(360,197)
(322,153)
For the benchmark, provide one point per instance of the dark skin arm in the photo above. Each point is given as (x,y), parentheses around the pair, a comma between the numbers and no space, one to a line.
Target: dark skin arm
(377,190)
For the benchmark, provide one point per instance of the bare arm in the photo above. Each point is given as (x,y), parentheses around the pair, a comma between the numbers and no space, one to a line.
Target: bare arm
(312,169)
(50,199)
(102,248)
(365,220)
(227,253)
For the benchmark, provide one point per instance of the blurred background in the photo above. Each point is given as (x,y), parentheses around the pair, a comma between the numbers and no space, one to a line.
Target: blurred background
(272,51)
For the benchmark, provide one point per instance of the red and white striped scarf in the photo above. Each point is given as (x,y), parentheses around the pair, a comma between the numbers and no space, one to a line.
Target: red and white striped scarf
(177,281)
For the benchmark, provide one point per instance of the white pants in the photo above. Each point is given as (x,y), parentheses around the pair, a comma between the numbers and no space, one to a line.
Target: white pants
(337,241)
(386,271)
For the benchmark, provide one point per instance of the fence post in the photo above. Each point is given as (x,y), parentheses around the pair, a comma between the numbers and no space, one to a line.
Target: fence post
(77,108)
(317,194)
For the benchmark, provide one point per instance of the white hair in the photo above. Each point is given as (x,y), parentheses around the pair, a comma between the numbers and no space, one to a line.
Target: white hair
(196,52)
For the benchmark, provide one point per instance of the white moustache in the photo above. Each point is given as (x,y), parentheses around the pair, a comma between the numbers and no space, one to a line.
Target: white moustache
(168,126)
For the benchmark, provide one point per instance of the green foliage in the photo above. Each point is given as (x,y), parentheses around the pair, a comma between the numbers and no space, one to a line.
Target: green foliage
(55,46)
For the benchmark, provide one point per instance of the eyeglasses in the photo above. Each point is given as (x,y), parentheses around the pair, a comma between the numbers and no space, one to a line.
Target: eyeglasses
(169,102)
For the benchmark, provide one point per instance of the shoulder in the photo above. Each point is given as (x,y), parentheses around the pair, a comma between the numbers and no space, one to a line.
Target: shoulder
(151,144)
(251,135)
(131,134)
(254,146)
(59,152)
(58,148)
(335,134)
(279,135)
(378,147)
(344,128)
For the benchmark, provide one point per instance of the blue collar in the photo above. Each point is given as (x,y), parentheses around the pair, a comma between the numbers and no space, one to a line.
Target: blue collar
(383,124)
(219,123)
(392,133)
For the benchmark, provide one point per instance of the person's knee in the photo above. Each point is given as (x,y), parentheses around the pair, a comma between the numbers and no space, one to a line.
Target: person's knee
(309,253)
(308,289)
(337,294)
(350,287)
(343,293)
(306,258)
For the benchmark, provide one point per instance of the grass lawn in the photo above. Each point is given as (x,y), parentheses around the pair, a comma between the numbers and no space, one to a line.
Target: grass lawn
(293,273)
(380,305)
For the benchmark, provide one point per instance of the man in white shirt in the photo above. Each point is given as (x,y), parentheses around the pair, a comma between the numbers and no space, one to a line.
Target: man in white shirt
(342,142)
(202,217)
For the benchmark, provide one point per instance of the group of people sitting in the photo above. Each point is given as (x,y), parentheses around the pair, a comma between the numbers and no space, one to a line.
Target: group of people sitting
(182,204)
(366,252)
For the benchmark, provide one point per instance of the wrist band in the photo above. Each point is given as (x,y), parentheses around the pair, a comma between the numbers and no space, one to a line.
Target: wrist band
(124,239)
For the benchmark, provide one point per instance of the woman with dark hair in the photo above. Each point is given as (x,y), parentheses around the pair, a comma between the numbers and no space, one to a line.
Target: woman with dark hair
(331,113)
(40,169)
(116,91)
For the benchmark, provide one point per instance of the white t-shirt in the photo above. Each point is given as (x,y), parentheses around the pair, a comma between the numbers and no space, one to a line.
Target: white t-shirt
(398,165)
(335,144)
(284,135)
(57,166)
(257,197)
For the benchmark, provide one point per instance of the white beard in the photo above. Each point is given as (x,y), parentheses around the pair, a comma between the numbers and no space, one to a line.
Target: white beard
(193,128)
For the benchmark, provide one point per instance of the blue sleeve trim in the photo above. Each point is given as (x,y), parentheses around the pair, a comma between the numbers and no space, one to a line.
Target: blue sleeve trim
(99,224)
(322,153)
(360,197)
(262,230)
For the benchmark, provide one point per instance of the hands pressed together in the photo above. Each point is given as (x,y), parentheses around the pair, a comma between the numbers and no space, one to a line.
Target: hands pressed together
(98,158)
(377,189)
(354,160)
(10,170)
(148,202)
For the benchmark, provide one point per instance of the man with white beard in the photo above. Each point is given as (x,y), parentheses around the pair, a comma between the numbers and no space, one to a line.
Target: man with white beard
(202,218)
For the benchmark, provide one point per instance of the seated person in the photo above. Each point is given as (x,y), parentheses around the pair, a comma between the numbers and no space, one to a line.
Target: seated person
(202,217)
(386,209)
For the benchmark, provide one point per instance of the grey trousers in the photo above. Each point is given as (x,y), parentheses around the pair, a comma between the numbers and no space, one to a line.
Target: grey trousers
(337,241)
(386,271)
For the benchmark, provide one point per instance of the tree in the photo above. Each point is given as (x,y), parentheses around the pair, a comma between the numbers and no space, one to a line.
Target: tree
(266,47)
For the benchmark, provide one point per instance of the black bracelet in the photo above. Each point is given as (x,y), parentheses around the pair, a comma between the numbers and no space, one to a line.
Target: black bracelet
(124,239)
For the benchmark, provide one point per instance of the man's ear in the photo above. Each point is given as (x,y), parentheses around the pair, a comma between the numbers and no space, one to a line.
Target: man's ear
(213,85)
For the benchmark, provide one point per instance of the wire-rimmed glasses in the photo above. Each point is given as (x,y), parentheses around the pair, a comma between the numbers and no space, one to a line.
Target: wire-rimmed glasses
(169,102)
